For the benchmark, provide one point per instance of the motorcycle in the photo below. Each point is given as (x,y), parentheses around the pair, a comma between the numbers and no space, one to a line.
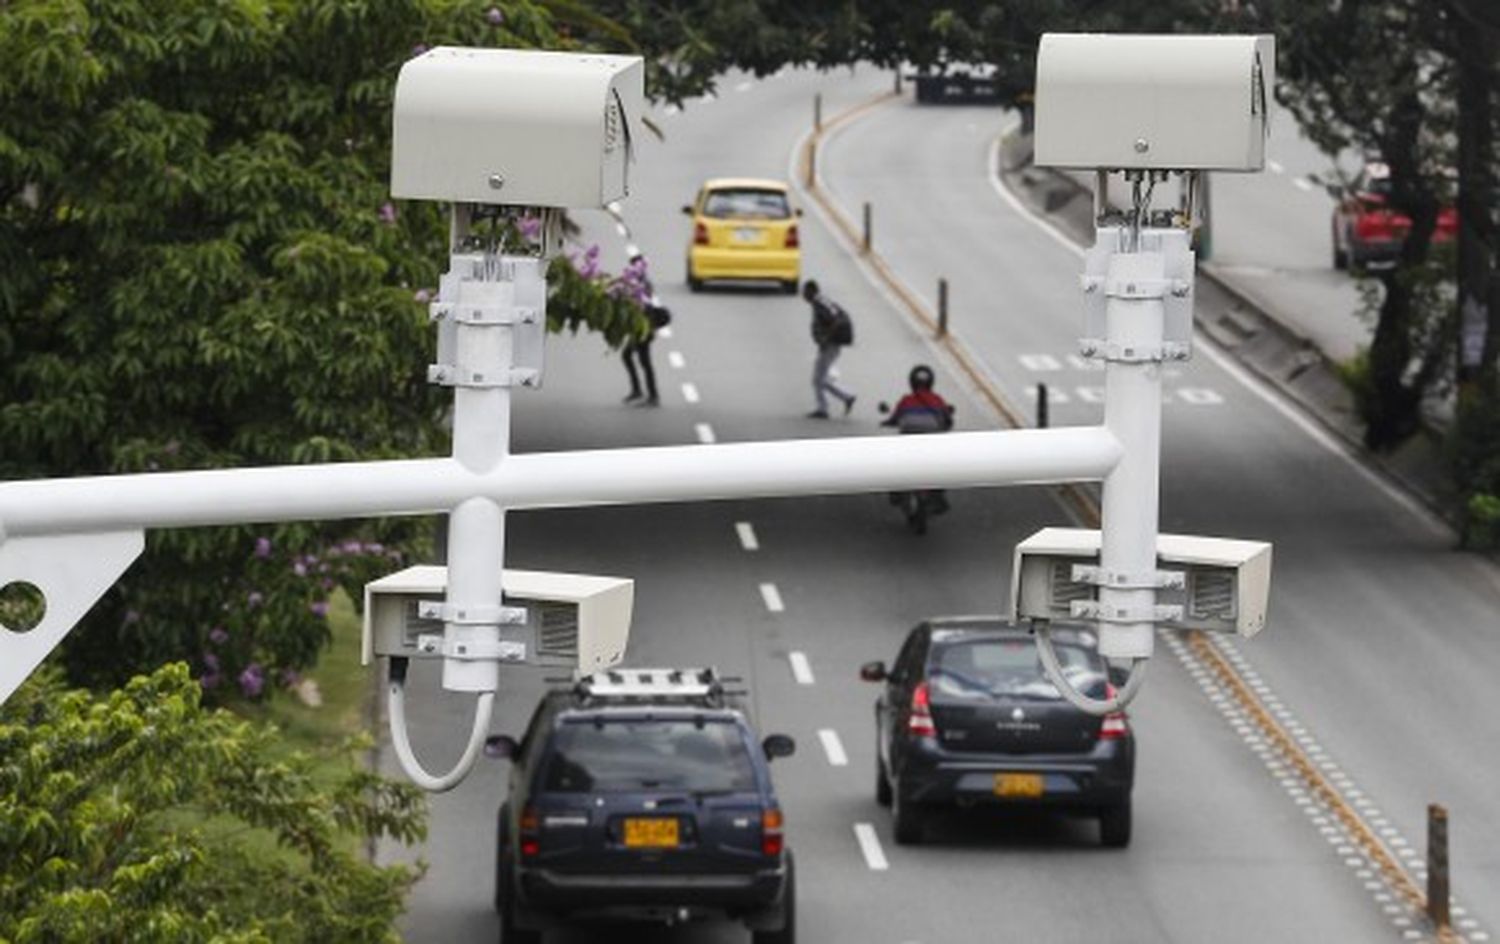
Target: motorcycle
(917,505)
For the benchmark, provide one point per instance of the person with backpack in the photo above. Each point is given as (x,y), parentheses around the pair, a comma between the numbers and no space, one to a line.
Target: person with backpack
(639,349)
(832,331)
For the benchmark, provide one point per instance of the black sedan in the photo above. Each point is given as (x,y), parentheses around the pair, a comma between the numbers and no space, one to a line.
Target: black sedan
(968,719)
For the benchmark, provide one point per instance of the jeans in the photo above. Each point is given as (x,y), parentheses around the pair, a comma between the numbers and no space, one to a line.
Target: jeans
(822,386)
(641,350)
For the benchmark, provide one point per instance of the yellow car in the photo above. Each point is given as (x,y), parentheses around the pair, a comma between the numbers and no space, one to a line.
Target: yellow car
(744,229)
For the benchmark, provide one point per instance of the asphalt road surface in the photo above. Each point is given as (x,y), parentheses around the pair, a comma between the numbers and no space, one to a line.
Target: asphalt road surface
(1379,645)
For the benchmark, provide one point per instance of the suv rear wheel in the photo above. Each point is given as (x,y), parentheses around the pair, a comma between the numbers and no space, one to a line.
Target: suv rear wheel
(787,934)
(1114,825)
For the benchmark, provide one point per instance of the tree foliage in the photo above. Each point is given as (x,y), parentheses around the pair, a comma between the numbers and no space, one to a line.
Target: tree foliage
(145,816)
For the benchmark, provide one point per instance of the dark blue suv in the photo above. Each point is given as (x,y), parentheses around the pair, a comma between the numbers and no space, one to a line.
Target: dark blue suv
(641,794)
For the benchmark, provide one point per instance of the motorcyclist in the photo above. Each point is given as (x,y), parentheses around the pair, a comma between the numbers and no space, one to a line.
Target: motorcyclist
(921,411)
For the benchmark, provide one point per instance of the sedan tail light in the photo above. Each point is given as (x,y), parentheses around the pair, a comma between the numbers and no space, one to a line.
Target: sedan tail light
(919,723)
(792,239)
(700,235)
(1114,726)
(771,841)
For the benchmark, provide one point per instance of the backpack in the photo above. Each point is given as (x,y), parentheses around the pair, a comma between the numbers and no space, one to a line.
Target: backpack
(841,332)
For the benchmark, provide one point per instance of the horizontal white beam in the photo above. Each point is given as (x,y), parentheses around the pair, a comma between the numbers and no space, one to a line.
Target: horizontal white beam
(557,480)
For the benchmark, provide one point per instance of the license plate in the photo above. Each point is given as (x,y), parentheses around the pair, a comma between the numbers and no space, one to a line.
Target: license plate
(1018,785)
(651,832)
(747,234)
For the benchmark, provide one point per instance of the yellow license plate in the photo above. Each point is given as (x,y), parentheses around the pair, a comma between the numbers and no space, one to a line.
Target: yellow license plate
(1018,785)
(654,832)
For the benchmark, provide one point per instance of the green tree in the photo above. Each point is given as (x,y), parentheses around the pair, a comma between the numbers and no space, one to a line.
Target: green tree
(200,267)
(144,816)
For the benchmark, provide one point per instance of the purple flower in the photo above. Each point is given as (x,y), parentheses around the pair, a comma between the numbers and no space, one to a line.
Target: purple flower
(254,599)
(494,15)
(131,616)
(374,548)
(290,677)
(353,547)
(530,227)
(252,680)
(210,680)
(300,569)
(262,547)
(327,583)
(320,608)
(421,296)
(211,662)
(218,636)
(387,213)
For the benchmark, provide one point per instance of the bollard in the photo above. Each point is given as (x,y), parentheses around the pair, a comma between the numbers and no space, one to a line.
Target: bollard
(1041,406)
(818,112)
(942,308)
(1437,866)
(868,239)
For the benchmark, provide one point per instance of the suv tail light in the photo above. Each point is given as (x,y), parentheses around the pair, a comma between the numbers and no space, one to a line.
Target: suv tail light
(700,234)
(919,723)
(1114,726)
(531,839)
(770,832)
(792,239)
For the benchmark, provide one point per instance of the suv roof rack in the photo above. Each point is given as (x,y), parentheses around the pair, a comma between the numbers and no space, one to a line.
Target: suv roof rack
(702,685)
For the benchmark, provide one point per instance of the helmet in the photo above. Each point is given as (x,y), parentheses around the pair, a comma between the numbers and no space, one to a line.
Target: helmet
(920,378)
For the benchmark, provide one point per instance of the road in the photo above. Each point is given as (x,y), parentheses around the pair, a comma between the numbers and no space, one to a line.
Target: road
(1227,848)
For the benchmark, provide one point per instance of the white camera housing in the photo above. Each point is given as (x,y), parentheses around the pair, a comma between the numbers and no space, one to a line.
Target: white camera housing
(1142,102)
(573,621)
(1225,584)
(516,127)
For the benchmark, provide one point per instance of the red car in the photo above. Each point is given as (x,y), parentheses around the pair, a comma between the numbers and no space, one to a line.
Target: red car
(1366,230)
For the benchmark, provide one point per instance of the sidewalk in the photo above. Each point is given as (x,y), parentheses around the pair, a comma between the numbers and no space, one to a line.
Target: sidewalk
(1253,333)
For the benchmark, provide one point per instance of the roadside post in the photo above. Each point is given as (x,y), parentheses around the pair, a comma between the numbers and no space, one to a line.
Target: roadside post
(1439,898)
(514,135)
(942,307)
(1041,406)
(868,240)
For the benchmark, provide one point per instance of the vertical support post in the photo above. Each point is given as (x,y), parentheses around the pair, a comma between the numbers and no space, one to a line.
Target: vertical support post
(1205,246)
(1438,895)
(1041,406)
(868,239)
(818,111)
(942,308)
(1135,317)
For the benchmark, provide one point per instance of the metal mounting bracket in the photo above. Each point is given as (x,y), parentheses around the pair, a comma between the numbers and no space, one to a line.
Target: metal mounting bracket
(1094,610)
(490,615)
(1099,349)
(1155,580)
(449,375)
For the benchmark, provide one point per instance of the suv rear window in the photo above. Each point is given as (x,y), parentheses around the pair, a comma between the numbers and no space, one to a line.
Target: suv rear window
(624,755)
(746,205)
(1011,667)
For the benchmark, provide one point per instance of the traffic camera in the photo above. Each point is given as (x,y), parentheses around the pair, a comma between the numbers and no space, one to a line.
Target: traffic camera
(516,127)
(573,621)
(1153,103)
(1214,584)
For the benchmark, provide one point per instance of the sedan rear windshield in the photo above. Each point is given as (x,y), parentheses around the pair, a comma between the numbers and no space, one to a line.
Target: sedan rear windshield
(746,204)
(1011,667)
(677,754)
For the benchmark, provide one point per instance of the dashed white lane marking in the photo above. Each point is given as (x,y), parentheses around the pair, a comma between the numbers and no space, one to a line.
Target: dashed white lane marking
(664,332)
(676,359)
(1275,167)
(833,747)
(747,536)
(1302,183)
(620,228)
(690,393)
(1199,396)
(744,86)
(801,668)
(1040,362)
(772,596)
(869,846)
(705,434)
(670,110)
(707,97)
(1054,395)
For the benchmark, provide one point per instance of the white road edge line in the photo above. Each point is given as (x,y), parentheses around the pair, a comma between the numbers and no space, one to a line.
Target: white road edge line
(690,393)
(747,536)
(676,359)
(772,596)
(664,332)
(705,434)
(801,668)
(1302,183)
(833,747)
(1250,382)
(869,846)
(1275,166)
